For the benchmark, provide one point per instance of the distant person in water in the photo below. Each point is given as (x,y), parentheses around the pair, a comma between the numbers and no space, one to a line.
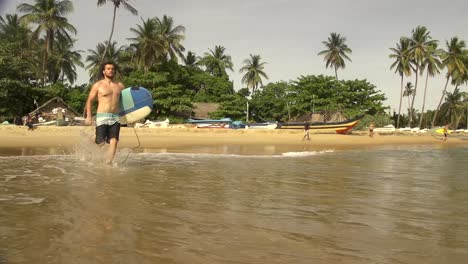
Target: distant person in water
(107,91)
(306,132)
(446,130)
(371,129)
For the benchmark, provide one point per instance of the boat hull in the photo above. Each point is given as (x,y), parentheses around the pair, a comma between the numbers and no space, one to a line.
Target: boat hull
(339,127)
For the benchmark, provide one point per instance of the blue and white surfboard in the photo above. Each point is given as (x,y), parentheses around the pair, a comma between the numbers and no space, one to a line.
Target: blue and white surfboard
(136,103)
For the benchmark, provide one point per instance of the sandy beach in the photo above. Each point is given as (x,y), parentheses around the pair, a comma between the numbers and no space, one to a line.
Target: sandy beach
(14,136)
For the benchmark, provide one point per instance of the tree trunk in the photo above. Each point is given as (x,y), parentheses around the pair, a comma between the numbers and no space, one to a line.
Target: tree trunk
(424,101)
(409,109)
(336,73)
(440,102)
(110,37)
(44,62)
(414,96)
(401,100)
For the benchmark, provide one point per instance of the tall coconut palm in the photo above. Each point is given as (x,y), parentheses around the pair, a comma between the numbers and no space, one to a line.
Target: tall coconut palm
(452,58)
(117,4)
(420,42)
(113,53)
(145,44)
(402,67)
(336,52)
(431,63)
(216,62)
(49,15)
(254,71)
(170,38)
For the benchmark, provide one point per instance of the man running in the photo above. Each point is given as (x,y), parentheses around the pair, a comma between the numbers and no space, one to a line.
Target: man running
(107,91)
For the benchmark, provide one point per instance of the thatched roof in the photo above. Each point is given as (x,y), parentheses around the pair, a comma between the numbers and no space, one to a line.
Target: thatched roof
(201,110)
(322,116)
(55,102)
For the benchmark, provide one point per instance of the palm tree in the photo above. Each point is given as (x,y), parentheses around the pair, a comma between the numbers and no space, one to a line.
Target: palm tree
(409,92)
(420,42)
(170,38)
(454,106)
(65,61)
(49,15)
(402,67)
(336,52)
(253,69)
(145,44)
(216,62)
(11,29)
(114,54)
(459,78)
(431,63)
(191,59)
(453,60)
(116,4)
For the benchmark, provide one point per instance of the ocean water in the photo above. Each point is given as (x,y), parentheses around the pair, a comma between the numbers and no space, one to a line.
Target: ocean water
(235,204)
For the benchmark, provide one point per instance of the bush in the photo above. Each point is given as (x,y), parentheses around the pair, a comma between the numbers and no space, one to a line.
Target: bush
(380,120)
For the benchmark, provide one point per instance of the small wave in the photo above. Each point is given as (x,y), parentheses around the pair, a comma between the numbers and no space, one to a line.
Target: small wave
(305,153)
(210,155)
(29,200)
(21,198)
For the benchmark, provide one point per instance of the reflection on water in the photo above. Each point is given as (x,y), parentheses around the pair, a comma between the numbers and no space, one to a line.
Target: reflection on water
(380,205)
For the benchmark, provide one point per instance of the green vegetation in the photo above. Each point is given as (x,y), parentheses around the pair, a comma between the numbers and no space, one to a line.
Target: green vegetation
(38,61)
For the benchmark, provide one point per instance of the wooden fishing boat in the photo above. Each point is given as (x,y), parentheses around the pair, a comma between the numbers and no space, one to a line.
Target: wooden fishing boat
(339,127)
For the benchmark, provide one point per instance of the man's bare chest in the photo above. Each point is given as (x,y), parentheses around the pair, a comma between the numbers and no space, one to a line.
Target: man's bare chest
(109,91)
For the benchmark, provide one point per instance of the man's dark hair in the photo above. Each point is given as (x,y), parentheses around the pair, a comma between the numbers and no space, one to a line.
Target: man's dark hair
(109,62)
(103,66)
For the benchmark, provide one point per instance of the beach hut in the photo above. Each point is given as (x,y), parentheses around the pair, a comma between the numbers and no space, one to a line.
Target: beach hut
(325,116)
(202,110)
(55,112)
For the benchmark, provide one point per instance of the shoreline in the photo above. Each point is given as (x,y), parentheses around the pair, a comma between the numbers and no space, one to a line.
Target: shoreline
(181,137)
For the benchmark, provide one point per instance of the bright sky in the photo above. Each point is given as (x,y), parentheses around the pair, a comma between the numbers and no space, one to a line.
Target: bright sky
(287,34)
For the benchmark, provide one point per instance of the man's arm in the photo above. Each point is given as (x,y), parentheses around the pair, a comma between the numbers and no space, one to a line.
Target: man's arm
(89,103)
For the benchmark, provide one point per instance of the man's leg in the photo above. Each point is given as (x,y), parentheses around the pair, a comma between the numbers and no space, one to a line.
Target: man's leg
(111,150)
(113,139)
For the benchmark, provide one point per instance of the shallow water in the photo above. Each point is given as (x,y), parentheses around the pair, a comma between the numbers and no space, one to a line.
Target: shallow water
(399,204)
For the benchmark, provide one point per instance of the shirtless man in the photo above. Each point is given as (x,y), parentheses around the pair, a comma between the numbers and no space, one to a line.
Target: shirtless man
(107,91)
(371,129)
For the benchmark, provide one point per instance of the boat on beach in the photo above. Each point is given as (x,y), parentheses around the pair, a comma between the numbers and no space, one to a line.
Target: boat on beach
(342,127)
(265,125)
(211,123)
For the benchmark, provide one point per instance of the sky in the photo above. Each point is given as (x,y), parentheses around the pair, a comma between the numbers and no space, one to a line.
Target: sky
(287,34)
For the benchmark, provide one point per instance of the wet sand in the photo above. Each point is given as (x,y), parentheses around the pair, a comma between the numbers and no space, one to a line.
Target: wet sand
(13,136)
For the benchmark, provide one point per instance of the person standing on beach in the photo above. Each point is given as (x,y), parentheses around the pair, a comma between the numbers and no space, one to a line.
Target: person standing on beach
(306,132)
(107,91)
(371,129)
(446,129)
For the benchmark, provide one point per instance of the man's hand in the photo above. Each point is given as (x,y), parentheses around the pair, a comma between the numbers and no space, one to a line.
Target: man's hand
(88,121)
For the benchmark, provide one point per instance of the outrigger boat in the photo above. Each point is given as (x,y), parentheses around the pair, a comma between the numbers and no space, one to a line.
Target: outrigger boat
(339,127)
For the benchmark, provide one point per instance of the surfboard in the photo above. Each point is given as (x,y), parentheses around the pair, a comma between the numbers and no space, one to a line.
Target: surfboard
(136,103)
(441,131)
